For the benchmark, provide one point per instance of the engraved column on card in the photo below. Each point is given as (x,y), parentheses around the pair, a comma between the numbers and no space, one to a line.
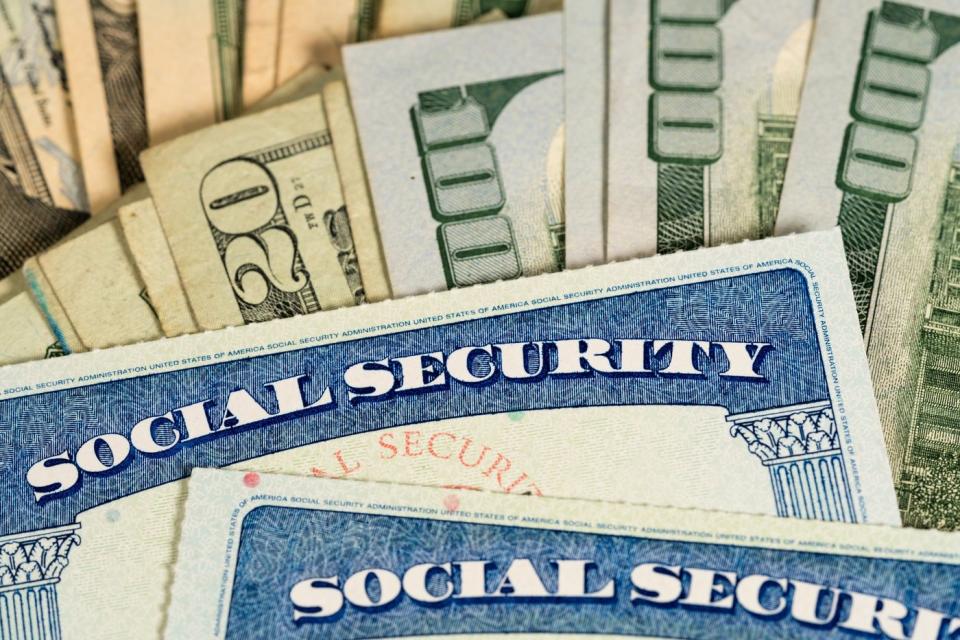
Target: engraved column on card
(800,446)
(30,568)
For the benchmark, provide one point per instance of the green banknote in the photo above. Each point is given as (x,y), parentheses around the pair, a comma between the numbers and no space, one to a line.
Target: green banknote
(702,103)
(228,36)
(877,153)
(462,135)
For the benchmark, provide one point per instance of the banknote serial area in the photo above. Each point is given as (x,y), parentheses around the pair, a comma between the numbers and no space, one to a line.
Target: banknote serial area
(523,319)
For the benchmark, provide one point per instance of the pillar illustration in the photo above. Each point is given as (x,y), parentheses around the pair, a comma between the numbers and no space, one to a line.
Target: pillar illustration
(30,568)
(800,447)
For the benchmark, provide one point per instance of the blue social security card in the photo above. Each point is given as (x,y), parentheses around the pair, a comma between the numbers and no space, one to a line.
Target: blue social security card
(731,378)
(264,556)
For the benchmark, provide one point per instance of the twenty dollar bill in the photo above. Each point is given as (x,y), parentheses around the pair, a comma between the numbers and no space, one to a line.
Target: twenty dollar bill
(255,218)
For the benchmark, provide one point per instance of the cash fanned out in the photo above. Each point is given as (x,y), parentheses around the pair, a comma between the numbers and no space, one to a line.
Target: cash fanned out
(503,269)
(464,152)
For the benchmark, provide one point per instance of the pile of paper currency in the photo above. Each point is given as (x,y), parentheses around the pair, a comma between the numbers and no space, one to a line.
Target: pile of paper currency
(456,318)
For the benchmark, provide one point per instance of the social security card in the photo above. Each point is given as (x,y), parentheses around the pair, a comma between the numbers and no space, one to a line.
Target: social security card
(264,556)
(731,378)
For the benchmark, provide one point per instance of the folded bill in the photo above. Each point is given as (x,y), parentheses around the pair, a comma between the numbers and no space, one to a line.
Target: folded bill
(703,97)
(24,332)
(877,152)
(91,293)
(353,177)
(356,191)
(150,253)
(88,287)
(263,556)
(101,54)
(314,80)
(731,378)
(462,137)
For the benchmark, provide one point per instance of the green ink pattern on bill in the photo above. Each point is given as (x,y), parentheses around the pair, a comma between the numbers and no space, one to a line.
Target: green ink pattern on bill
(463,180)
(464,151)
(876,152)
(700,119)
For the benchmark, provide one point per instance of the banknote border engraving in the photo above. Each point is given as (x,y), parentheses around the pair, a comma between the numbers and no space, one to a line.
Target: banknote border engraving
(228,20)
(875,172)
(930,460)
(685,119)
(876,163)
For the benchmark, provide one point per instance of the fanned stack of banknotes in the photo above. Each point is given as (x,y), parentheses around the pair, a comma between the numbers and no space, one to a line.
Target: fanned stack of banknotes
(499,318)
